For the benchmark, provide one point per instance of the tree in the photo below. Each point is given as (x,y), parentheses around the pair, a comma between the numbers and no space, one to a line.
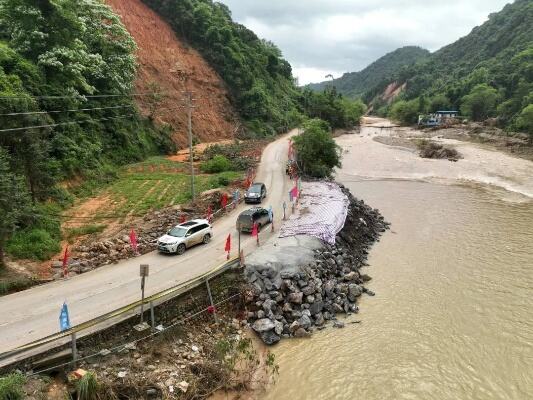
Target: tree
(525,121)
(405,112)
(317,153)
(14,201)
(438,103)
(480,104)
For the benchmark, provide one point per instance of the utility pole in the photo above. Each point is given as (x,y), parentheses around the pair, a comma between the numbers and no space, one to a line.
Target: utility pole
(189,104)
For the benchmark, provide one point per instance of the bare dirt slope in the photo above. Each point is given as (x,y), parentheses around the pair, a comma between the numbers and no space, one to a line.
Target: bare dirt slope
(168,65)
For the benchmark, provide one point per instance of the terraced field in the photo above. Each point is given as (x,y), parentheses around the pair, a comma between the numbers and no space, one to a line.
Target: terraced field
(151,185)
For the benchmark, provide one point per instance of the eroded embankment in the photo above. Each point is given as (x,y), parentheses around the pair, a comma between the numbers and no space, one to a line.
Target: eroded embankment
(300,283)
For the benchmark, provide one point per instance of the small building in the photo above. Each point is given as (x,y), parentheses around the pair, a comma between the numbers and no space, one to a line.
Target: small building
(437,118)
(446,114)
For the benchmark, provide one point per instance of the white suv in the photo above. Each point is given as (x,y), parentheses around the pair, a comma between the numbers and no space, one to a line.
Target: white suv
(185,235)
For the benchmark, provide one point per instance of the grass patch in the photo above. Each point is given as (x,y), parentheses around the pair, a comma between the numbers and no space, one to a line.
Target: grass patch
(15,285)
(138,192)
(72,233)
(87,387)
(11,387)
(35,244)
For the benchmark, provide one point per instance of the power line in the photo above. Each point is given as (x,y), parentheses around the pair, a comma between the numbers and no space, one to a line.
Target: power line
(64,123)
(95,96)
(62,111)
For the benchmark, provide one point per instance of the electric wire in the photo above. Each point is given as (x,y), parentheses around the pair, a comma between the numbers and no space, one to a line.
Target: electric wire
(65,111)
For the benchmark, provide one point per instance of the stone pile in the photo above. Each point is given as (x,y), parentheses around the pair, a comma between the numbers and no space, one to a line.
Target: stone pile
(293,303)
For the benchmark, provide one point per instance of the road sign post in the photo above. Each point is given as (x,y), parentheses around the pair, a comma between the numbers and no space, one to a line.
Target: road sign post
(144,271)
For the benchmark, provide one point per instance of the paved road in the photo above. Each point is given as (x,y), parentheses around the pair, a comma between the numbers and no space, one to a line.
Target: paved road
(33,314)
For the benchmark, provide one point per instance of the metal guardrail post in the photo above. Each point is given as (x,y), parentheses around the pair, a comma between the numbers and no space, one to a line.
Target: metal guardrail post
(74,350)
(211,299)
(152,314)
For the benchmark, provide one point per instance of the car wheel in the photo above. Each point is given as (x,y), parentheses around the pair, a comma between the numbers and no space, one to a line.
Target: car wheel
(181,249)
(207,239)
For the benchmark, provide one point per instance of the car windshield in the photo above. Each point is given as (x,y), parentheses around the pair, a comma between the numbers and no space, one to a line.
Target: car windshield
(245,218)
(178,231)
(255,189)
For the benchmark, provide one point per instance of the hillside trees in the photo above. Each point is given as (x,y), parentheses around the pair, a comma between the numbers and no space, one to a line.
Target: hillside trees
(405,111)
(66,75)
(480,104)
(525,121)
(332,107)
(14,201)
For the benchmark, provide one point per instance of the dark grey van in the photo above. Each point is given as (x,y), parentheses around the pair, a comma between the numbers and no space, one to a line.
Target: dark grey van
(247,219)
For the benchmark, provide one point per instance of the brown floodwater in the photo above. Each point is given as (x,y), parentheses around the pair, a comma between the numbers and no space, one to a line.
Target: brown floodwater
(453,313)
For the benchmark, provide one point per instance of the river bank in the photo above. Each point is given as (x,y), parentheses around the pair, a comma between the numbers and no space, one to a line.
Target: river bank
(300,282)
(452,313)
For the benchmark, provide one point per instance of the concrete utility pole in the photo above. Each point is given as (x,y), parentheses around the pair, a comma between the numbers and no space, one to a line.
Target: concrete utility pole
(189,104)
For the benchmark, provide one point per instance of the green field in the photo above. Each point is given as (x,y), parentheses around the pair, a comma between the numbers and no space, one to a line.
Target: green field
(157,183)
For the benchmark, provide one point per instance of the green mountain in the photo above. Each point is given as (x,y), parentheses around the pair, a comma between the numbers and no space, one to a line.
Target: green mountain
(488,73)
(355,84)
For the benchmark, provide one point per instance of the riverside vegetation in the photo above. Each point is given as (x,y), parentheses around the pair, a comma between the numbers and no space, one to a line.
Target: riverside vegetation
(55,55)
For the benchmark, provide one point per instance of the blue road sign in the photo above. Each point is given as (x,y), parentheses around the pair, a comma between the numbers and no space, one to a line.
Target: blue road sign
(64,320)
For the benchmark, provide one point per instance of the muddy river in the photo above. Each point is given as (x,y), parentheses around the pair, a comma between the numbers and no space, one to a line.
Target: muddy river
(453,313)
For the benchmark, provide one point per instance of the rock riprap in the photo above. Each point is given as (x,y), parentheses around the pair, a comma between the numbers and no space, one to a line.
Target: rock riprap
(300,283)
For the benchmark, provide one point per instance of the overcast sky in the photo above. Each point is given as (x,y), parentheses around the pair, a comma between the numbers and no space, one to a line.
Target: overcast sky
(321,37)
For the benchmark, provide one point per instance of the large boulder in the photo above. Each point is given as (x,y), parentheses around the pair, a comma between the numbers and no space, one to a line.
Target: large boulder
(263,325)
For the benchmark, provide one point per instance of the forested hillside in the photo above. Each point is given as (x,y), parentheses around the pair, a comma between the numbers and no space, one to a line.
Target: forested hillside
(488,73)
(66,76)
(355,84)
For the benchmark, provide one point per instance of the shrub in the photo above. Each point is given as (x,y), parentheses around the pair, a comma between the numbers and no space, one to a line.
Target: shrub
(11,387)
(525,120)
(405,112)
(87,387)
(223,181)
(36,244)
(217,164)
(316,150)
(15,285)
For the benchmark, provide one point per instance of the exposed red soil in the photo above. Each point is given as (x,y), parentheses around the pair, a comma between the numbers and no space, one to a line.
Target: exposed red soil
(167,65)
(392,91)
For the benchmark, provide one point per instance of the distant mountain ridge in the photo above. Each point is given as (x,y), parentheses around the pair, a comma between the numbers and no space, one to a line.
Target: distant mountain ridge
(355,84)
(495,57)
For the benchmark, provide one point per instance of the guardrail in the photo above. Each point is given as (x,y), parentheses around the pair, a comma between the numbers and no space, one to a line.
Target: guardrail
(113,317)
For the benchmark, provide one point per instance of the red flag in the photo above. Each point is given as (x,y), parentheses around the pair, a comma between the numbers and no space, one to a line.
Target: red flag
(65,262)
(255,231)
(294,192)
(133,240)
(228,245)
(224,200)
(182,218)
